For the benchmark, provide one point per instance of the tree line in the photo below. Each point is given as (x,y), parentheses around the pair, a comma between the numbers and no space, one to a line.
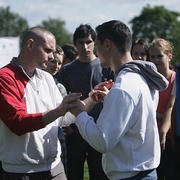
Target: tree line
(152,22)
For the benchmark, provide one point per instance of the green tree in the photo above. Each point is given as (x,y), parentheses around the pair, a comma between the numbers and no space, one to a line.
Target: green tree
(11,24)
(155,22)
(57,27)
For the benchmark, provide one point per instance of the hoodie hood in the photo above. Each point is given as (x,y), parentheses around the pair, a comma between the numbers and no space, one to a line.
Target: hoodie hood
(148,70)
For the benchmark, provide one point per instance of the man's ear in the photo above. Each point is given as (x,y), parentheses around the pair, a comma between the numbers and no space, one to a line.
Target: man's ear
(107,44)
(30,43)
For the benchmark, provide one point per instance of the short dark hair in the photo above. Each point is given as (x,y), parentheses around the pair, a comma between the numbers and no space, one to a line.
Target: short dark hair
(117,32)
(84,30)
(70,51)
(143,42)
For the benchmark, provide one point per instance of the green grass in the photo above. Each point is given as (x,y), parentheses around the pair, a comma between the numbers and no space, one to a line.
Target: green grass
(86,172)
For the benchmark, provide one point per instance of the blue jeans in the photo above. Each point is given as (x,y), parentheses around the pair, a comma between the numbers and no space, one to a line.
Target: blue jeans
(144,175)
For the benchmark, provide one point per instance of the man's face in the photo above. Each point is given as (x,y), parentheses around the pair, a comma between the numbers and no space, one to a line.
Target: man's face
(43,51)
(85,47)
(101,52)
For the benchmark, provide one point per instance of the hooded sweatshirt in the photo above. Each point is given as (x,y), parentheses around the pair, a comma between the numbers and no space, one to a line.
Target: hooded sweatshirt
(126,131)
(149,71)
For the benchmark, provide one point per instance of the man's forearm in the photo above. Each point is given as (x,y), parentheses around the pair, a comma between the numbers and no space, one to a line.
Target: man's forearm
(52,115)
(89,104)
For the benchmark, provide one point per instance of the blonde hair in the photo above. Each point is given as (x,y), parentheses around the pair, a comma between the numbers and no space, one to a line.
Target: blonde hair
(166,45)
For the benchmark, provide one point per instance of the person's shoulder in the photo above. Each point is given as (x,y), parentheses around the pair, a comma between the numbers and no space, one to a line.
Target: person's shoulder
(96,60)
(173,75)
(9,69)
(43,74)
(73,63)
(70,65)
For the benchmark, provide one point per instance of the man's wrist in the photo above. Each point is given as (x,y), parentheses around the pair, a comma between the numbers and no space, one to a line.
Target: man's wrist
(77,113)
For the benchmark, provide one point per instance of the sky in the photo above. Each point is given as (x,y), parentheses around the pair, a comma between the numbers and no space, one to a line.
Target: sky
(75,12)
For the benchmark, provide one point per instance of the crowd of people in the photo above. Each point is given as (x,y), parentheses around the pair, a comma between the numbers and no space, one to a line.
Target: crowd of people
(106,99)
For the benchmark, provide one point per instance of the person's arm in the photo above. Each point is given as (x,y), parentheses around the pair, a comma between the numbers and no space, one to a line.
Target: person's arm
(62,109)
(13,108)
(95,96)
(111,124)
(166,121)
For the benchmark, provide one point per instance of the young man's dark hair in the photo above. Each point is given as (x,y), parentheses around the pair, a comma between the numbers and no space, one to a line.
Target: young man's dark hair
(70,52)
(118,32)
(84,30)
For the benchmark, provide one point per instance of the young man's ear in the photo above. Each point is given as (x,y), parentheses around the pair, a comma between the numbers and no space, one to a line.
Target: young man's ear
(107,44)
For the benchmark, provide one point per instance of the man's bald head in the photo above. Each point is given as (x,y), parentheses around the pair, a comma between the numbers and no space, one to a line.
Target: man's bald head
(37,33)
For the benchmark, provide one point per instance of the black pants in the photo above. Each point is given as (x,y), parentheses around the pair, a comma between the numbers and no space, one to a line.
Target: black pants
(177,154)
(167,169)
(78,151)
(1,171)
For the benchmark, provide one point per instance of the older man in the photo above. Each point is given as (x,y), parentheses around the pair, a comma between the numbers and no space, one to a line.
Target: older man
(32,108)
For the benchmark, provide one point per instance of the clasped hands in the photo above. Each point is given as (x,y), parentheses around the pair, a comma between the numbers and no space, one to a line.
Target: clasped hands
(73,103)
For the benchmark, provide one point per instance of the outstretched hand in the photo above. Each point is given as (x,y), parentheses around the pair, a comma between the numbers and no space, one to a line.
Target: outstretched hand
(108,84)
(100,91)
(78,107)
(95,96)
(69,102)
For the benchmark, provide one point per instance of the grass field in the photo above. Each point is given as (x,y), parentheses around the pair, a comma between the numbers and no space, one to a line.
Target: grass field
(86,173)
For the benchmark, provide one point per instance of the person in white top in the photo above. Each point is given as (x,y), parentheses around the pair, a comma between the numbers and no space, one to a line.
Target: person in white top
(32,109)
(126,130)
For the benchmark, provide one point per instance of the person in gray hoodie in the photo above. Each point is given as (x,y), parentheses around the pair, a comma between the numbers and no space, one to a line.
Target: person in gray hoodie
(126,130)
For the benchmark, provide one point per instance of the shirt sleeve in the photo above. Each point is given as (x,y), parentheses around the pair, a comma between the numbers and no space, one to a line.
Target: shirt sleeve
(13,109)
(67,120)
(112,123)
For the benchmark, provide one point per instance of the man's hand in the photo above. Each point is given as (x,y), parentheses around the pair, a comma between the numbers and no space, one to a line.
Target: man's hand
(108,84)
(100,91)
(162,137)
(77,107)
(95,96)
(69,102)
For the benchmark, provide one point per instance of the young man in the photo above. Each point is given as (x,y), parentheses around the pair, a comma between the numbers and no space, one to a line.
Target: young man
(82,75)
(126,129)
(32,109)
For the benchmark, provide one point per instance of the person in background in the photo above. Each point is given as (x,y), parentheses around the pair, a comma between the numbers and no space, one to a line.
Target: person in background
(126,130)
(32,109)
(70,53)
(161,54)
(82,75)
(53,68)
(176,114)
(55,65)
(139,50)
